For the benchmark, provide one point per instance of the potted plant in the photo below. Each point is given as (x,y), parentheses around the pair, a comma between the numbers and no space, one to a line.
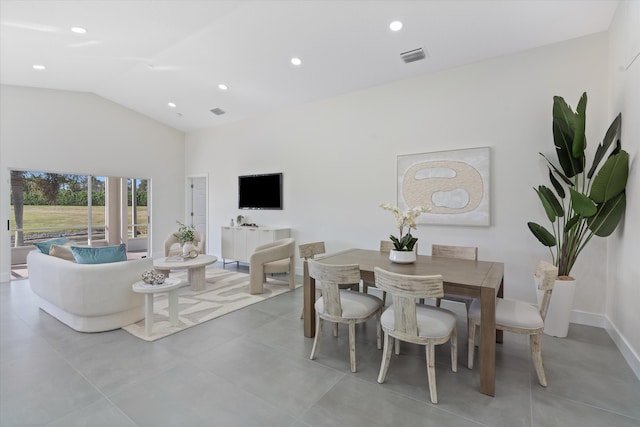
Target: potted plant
(583,203)
(404,244)
(186,236)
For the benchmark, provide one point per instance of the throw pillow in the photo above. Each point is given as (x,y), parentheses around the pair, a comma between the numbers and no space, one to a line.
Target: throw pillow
(63,252)
(101,255)
(45,246)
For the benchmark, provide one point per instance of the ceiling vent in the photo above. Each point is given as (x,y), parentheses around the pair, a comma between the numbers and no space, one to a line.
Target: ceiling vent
(218,111)
(413,55)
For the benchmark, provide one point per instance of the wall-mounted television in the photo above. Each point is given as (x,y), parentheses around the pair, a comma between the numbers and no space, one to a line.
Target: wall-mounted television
(260,191)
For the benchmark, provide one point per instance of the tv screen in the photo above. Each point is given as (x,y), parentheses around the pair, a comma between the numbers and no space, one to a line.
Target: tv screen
(260,191)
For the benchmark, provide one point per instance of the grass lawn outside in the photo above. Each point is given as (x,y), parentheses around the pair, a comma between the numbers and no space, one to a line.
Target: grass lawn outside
(38,221)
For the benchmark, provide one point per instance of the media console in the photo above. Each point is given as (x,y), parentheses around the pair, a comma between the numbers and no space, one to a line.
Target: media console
(238,243)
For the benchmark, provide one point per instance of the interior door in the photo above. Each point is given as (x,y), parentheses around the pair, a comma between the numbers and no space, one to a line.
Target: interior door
(197,204)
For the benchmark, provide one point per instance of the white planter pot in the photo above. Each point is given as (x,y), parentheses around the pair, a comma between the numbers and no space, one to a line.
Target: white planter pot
(402,257)
(556,323)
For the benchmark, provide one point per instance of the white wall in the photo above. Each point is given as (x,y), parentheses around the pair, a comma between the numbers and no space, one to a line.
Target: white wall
(338,156)
(71,132)
(624,270)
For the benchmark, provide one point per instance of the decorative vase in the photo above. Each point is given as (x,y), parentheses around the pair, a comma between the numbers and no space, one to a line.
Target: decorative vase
(187,249)
(556,324)
(402,257)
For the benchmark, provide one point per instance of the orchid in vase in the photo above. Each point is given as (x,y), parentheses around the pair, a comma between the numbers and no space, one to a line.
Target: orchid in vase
(405,221)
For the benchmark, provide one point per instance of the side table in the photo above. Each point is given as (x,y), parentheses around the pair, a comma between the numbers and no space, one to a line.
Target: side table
(170,286)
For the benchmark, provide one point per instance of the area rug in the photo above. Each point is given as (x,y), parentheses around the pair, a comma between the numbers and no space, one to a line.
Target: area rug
(226,291)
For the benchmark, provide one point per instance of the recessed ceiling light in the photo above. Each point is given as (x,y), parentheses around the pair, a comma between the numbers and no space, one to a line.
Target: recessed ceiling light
(78,30)
(395,26)
(222,87)
(39,67)
(171,104)
(296,61)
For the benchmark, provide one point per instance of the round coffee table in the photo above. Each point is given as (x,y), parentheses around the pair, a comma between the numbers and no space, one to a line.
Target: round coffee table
(195,266)
(170,286)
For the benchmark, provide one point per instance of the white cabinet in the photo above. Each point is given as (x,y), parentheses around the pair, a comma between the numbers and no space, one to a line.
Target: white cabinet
(238,243)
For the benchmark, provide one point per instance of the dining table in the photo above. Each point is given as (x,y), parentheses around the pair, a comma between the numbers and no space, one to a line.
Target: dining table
(477,279)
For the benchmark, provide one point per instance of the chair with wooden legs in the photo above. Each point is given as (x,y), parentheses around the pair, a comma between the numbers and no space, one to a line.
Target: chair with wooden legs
(460,252)
(385,246)
(342,306)
(520,317)
(406,320)
(309,251)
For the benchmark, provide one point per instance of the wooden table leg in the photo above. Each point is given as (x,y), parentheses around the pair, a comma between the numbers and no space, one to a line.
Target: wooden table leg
(499,295)
(488,342)
(197,278)
(309,299)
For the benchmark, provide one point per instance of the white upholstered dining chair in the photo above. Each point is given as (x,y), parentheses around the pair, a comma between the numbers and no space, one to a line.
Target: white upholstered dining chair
(309,251)
(342,306)
(405,320)
(386,246)
(520,317)
(459,252)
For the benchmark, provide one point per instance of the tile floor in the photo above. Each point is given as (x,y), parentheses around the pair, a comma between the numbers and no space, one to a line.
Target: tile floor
(252,368)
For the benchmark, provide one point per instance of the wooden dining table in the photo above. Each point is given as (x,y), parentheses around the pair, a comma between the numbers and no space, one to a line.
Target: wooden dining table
(477,279)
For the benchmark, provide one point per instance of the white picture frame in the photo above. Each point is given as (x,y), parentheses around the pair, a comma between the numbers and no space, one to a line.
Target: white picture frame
(454,183)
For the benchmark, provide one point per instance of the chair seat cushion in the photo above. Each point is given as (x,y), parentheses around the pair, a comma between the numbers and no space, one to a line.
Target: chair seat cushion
(433,322)
(280,266)
(511,313)
(355,305)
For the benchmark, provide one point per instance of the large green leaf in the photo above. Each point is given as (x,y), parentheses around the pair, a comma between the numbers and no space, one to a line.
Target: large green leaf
(611,179)
(571,223)
(579,139)
(542,234)
(609,137)
(556,184)
(563,138)
(608,216)
(558,172)
(551,205)
(582,205)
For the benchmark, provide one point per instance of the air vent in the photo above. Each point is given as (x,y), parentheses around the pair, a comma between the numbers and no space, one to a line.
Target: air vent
(218,111)
(413,55)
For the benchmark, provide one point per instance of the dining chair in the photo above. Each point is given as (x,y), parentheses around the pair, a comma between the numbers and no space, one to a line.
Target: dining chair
(520,317)
(309,251)
(385,247)
(459,252)
(342,306)
(406,320)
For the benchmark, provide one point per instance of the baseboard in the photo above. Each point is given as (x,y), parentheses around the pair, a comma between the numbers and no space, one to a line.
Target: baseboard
(602,321)
(632,358)
(588,319)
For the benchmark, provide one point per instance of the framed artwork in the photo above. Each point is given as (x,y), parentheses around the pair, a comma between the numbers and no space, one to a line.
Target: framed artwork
(455,184)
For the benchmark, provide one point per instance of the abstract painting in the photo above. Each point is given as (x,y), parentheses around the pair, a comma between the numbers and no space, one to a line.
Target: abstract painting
(455,184)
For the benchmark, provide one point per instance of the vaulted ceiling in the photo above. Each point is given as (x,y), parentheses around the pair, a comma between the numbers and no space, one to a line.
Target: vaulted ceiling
(147,54)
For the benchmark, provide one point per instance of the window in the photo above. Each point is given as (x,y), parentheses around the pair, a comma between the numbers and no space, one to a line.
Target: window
(47,205)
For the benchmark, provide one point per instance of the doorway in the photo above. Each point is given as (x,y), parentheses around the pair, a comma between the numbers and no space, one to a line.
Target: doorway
(197,203)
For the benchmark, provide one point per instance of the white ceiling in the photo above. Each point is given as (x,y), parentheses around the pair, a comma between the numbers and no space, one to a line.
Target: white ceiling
(144,54)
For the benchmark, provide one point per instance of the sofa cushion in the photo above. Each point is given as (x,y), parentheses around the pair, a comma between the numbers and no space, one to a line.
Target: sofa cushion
(101,255)
(62,251)
(46,245)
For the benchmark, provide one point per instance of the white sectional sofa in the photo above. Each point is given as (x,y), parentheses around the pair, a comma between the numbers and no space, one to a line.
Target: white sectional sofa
(88,297)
